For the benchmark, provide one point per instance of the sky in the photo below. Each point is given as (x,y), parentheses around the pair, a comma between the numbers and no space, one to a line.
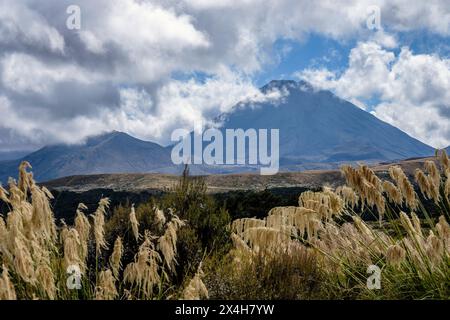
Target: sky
(147,67)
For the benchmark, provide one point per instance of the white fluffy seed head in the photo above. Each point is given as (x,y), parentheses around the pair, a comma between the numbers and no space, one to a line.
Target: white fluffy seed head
(134,223)
(116,256)
(99,225)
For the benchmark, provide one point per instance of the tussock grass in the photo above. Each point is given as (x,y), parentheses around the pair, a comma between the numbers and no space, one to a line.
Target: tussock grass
(318,249)
(412,252)
(36,254)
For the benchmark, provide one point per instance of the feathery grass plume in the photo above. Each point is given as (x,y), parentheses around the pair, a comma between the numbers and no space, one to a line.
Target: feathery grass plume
(395,255)
(307,221)
(277,217)
(416,224)
(134,223)
(367,185)
(239,244)
(346,244)
(7,291)
(276,221)
(342,249)
(83,227)
(99,225)
(72,245)
(423,182)
(39,253)
(434,178)
(160,219)
(277,210)
(15,230)
(355,177)
(286,213)
(252,223)
(239,225)
(16,196)
(443,229)
(447,186)
(283,221)
(433,171)
(334,202)
(370,176)
(380,203)
(296,220)
(106,287)
(196,289)
(24,177)
(43,222)
(416,251)
(267,239)
(434,248)
(445,162)
(116,256)
(370,186)
(143,272)
(240,252)
(352,177)
(21,208)
(405,186)
(23,262)
(3,194)
(167,243)
(364,229)
(5,242)
(393,193)
(408,226)
(326,203)
(348,195)
(46,280)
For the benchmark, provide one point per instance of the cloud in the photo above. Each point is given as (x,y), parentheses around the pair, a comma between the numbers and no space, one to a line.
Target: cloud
(184,104)
(23,73)
(22,27)
(412,90)
(133,66)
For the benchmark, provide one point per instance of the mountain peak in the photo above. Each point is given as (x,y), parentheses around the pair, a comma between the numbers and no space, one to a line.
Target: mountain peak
(111,152)
(315,126)
(286,84)
(281,82)
(108,136)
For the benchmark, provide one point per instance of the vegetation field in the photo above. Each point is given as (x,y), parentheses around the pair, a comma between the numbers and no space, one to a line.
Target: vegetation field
(189,244)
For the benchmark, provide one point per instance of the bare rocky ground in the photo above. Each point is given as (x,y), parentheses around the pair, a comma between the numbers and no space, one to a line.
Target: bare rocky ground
(218,183)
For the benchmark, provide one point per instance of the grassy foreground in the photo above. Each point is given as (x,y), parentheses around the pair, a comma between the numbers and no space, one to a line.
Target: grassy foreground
(185,246)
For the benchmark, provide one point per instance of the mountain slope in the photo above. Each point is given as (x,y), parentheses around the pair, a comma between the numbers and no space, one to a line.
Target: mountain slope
(317,126)
(109,153)
(317,131)
(137,182)
(12,155)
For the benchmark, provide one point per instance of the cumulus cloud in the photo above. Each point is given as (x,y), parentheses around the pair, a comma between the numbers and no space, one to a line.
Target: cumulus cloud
(128,67)
(412,89)
(23,73)
(22,27)
(184,104)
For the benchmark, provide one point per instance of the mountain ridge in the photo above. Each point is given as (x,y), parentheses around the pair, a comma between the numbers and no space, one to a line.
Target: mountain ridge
(318,130)
(106,153)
